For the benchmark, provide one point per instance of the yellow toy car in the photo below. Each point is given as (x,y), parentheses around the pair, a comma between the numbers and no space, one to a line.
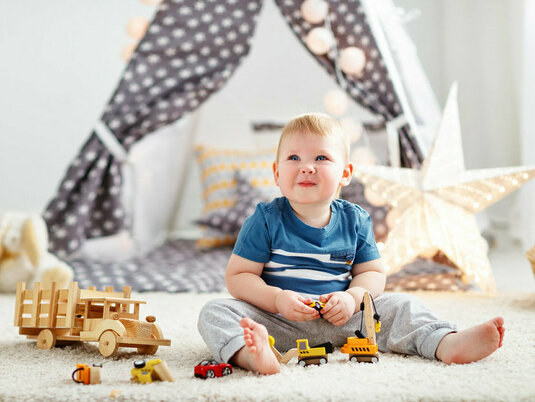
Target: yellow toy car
(146,372)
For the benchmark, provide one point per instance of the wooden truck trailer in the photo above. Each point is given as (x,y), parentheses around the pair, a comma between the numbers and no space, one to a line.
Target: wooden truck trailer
(62,316)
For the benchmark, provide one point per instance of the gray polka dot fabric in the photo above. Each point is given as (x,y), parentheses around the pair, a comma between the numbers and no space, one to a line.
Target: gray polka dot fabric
(176,266)
(230,221)
(190,50)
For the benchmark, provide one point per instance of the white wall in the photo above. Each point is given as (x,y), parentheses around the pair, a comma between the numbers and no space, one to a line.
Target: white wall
(59,62)
(478,44)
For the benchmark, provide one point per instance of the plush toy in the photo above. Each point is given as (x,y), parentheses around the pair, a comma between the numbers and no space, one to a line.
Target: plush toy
(24,255)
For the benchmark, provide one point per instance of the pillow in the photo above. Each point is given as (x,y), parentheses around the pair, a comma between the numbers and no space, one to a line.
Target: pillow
(231,220)
(218,185)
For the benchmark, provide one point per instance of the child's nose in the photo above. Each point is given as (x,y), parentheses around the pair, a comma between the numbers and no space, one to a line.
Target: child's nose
(307,169)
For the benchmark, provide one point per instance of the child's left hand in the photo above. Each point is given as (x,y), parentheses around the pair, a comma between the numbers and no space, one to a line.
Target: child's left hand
(339,307)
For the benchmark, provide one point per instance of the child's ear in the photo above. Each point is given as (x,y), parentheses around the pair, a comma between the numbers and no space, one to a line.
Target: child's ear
(276,173)
(347,175)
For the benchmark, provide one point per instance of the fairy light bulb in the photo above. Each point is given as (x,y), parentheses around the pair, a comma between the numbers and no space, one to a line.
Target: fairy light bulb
(336,102)
(136,27)
(320,40)
(352,60)
(314,11)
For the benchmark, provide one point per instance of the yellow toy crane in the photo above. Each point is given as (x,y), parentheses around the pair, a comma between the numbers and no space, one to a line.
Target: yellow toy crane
(359,347)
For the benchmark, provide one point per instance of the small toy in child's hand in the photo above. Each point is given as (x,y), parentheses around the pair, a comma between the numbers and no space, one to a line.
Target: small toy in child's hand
(86,374)
(317,305)
(153,370)
(211,369)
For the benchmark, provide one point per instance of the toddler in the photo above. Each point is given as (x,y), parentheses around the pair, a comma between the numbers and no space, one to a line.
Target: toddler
(310,245)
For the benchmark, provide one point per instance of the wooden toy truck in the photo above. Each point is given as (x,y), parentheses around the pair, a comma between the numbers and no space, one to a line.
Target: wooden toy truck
(63,316)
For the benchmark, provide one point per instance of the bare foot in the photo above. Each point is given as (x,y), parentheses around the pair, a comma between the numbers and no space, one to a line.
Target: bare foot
(472,344)
(256,355)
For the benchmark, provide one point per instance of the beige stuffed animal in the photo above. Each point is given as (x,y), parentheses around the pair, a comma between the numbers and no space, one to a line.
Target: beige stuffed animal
(24,255)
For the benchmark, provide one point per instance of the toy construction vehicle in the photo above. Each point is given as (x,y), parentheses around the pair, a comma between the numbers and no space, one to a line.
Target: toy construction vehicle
(153,370)
(63,316)
(359,347)
(86,374)
(314,355)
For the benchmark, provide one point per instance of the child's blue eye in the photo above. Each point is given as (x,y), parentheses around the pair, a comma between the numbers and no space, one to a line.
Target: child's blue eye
(321,158)
(293,158)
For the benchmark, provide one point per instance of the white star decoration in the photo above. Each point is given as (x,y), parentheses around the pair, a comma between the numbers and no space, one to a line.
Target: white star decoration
(437,204)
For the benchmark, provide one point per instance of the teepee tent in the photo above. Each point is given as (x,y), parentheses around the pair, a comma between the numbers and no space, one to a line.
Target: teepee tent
(189,52)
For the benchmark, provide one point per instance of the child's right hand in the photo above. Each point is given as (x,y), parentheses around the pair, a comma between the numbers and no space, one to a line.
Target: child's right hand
(294,307)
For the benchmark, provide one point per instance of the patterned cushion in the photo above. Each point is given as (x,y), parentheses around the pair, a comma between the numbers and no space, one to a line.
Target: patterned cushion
(219,190)
(230,221)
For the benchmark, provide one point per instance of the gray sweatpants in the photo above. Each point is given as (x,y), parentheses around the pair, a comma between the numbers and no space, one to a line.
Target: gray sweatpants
(406,327)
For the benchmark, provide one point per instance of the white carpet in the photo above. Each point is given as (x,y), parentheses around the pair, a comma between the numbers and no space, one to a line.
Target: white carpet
(31,374)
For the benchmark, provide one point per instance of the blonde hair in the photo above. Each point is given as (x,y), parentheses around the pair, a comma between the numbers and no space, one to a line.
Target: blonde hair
(315,124)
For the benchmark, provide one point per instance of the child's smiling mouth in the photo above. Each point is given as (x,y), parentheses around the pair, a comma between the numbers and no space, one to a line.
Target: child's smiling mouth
(306,183)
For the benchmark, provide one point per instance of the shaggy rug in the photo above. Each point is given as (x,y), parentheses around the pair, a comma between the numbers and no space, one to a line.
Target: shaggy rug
(29,373)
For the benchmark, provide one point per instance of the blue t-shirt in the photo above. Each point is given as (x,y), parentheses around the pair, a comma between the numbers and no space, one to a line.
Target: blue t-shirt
(303,258)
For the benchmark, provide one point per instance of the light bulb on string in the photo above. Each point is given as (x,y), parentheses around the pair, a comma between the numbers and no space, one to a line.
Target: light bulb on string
(314,11)
(352,60)
(336,102)
(137,27)
(320,40)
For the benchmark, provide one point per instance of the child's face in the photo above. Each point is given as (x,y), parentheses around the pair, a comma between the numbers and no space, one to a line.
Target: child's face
(311,168)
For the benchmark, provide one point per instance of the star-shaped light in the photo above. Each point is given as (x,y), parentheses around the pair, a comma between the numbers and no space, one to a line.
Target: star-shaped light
(436,205)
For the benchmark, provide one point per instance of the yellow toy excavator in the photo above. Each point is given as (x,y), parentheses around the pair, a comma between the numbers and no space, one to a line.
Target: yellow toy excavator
(359,347)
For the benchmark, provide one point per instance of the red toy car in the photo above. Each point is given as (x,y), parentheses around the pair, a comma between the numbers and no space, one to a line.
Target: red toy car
(211,369)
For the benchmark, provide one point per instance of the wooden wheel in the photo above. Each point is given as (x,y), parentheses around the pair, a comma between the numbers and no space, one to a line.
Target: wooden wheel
(107,343)
(46,339)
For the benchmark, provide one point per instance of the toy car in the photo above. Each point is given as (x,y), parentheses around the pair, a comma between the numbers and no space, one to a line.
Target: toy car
(153,370)
(317,305)
(211,369)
